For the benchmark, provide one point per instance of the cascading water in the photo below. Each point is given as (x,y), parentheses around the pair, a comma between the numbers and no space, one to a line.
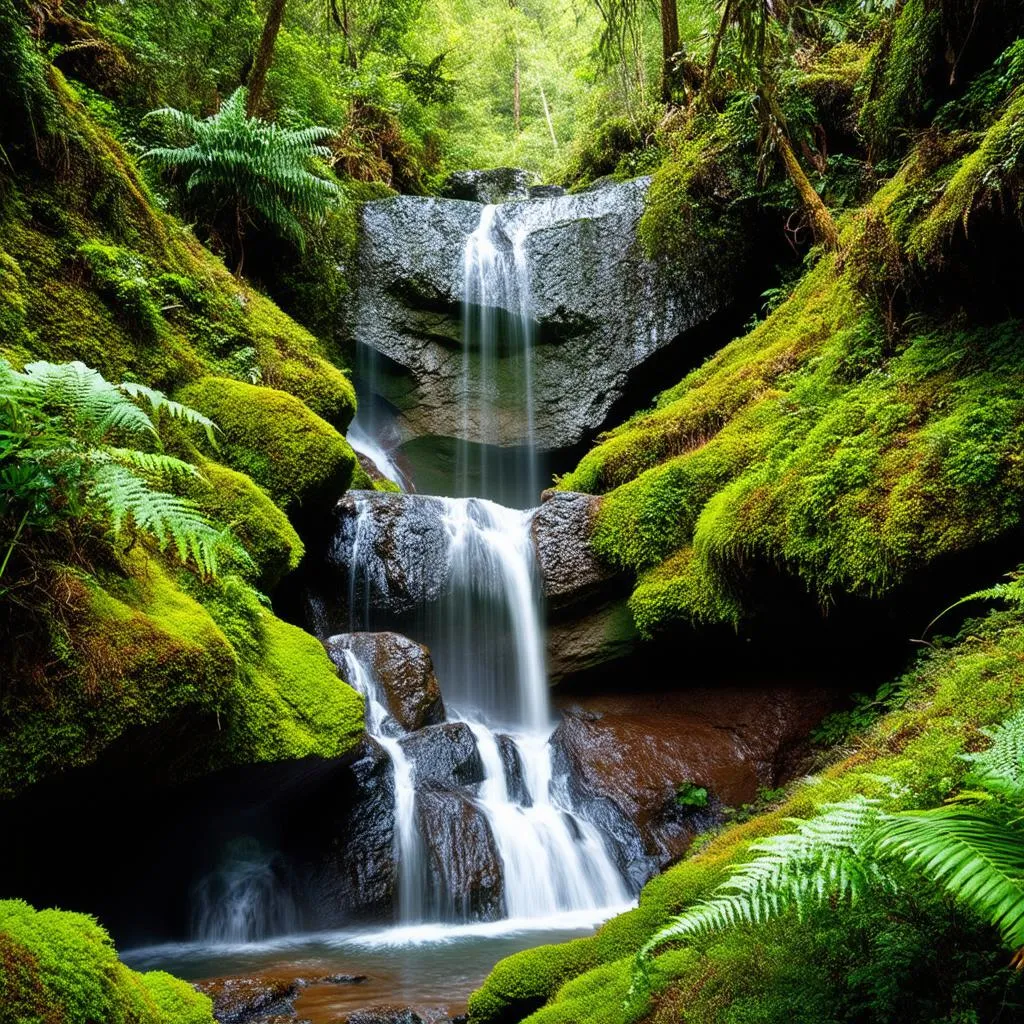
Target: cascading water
(485,632)
(497,359)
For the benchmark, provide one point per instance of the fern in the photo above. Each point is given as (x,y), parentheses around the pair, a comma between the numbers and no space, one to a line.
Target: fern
(159,402)
(62,428)
(254,165)
(973,848)
(978,860)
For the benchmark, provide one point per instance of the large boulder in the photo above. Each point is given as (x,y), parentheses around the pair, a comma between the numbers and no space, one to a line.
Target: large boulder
(463,865)
(497,185)
(349,853)
(444,756)
(397,544)
(402,672)
(623,759)
(601,308)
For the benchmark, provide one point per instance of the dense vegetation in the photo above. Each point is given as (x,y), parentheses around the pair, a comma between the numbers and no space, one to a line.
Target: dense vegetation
(179,193)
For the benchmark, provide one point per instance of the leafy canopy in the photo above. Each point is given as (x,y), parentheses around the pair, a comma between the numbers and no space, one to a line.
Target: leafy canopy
(73,446)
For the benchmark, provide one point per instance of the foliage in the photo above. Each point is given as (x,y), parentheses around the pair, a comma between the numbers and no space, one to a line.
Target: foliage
(903,955)
(74,447)
(251,168)
(973,847)
(689,794)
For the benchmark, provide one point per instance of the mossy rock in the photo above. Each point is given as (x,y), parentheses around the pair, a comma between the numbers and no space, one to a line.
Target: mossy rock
(272,437)
(291,702)
(142,652)
(61,968)
(230,497)
(289,360)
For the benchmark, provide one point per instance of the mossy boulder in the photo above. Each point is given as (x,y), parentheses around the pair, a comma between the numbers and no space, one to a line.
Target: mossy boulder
(62,968)
(139,652)
(272,437)
(232,498)
(290,701)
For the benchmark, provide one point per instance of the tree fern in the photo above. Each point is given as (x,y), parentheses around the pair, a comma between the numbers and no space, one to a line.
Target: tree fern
(252,165)
(160,403)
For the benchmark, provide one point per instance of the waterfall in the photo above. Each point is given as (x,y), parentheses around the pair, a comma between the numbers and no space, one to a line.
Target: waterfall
(475,559)
(246,899)
(385,730)
(497,359)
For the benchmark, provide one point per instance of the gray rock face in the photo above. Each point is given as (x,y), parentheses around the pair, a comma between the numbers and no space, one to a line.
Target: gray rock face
(404,671)
(444,756)
(590,622)
(561,536)
(463,865)
(600,307)
(402,549)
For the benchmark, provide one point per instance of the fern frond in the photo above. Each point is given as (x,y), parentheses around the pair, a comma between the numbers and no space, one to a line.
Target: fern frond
(156,464)
(1000,768)
(170,520)
(822,860)
(85,397)
(978,860)
(158,401)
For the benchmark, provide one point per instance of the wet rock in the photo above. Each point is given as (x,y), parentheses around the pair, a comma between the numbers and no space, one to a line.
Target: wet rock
(350,857)
(250,1000)
(500,185)
(403,671)
(546,191)
(371,469)
(515,776)
(444,756)
(590,622)
(383,1015)
(463,867)
(561,530)
(602,309)
(403,543)
(622,759)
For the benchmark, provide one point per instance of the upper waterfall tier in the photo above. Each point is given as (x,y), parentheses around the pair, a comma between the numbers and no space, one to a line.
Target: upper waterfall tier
(599,308)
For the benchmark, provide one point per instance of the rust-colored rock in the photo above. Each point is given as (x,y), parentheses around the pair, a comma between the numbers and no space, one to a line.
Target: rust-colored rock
(625,757)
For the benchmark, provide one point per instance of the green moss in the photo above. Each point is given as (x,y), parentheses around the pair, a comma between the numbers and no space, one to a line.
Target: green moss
(291,703)
(270,539)
(910,758)
(898,77)
(58,967)
(141,652)
(269,435)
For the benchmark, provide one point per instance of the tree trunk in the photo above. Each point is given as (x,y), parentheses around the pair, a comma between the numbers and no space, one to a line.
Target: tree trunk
(717,43)
(669,46)
(822,224)
(547,117)
(264,55)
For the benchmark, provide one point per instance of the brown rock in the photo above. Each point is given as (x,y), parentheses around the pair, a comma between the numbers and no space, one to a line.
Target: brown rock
(247,1000)
(403,671)
(625,757)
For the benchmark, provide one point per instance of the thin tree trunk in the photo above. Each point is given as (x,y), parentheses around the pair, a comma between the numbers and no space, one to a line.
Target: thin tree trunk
(717,42)
(264,56)
(669,46)
(547,117)
(822,224)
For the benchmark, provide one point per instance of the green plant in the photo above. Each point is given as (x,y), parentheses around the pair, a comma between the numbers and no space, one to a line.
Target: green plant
(248,169)
(689,794)
(74,447)
(972,847)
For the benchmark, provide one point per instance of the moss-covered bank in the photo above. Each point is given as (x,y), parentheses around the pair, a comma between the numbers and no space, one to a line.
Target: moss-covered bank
(57,967)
